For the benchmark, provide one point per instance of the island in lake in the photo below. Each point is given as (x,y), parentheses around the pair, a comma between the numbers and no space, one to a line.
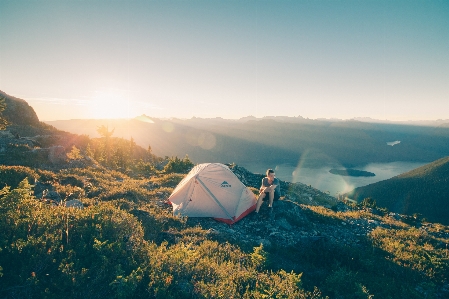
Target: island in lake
(351,172)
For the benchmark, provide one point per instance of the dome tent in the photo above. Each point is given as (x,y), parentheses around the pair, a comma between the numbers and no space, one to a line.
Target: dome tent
(212,190)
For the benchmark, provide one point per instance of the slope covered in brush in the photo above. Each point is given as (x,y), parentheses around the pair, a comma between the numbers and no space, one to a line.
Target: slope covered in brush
(421,191)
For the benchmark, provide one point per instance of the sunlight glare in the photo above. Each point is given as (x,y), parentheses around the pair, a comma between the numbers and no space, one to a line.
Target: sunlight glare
(108,105)
(145,119)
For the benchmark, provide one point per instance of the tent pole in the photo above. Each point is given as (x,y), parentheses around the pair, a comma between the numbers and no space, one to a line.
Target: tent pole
(213,196)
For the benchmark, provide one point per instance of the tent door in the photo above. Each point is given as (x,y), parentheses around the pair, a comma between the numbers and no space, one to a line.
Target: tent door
(216,200)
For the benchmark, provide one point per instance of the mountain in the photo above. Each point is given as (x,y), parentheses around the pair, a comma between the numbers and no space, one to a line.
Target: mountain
(28,142)
(276,139)
(18,112)
(422,191)
(432,123)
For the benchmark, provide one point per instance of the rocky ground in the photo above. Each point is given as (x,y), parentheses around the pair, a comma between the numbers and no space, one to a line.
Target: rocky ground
(294,226)
(293,223)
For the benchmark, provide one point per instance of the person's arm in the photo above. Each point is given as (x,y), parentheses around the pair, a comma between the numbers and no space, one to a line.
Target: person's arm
(262,186)
(278,186)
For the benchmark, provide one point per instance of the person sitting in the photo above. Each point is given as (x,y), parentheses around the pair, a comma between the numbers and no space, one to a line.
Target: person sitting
(270,187)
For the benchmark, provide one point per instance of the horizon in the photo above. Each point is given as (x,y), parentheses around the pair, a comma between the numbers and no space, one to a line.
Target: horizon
(361,119)
(174,59)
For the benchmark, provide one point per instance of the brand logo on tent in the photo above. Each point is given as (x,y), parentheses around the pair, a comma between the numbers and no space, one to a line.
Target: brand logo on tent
(225,184)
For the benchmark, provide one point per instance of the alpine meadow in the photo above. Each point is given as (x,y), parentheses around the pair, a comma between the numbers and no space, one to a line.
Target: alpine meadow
(88,217)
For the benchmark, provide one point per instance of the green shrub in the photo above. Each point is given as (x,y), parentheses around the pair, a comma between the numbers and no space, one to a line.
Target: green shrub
(46,175)
(55,252)
(343,282)
(368,203)
(126,243)
(128,189)
(414,249)
(176,165)
(13,175)
(74,154)
(143,169)
(214,270)
(168,180)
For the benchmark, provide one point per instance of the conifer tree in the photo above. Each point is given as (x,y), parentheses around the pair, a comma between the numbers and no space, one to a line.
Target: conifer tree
(3,122)
(89,151)
(106,135)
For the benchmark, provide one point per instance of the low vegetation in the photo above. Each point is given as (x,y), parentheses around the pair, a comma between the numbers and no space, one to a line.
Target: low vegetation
(122,241)
(106,250)
(125,243)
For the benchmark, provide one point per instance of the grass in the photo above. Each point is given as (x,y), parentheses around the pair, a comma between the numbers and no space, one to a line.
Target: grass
(172,257)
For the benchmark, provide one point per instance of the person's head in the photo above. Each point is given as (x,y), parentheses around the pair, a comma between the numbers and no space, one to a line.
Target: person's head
(270,173)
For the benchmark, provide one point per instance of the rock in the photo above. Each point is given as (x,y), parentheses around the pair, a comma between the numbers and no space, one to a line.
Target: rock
(230,231)
(373,222)
(6,134)
(266,243)
(74,203)
(40,187)
(56,154)
(212,231)
(395,216)
(51,195)
(185,287)
(283,223)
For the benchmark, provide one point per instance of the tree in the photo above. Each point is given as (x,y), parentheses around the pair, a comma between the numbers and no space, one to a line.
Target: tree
(74,154)
(104,131)
(3,122)
(89,151)
(106,135)
(132,147)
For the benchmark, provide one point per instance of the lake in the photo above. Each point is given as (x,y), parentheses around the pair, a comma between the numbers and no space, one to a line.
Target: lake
(323,180)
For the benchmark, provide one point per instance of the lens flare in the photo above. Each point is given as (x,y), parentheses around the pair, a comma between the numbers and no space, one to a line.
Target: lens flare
(207,140)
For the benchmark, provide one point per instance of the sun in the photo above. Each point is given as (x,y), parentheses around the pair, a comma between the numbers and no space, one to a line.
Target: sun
(108,105)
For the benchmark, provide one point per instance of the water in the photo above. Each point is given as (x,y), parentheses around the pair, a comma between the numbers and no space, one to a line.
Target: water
(323,180)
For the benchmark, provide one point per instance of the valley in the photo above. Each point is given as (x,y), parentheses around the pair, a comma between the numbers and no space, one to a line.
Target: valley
(80,210)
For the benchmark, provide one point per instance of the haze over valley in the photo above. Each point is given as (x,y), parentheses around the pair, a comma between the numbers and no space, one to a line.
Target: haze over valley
(299,149)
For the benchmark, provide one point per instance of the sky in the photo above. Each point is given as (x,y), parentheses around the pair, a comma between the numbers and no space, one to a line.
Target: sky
(387,60)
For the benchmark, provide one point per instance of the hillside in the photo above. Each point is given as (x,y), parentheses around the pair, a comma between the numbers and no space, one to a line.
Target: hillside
(420,191)
(18,112)
(122,241)
(95,223)
(26,141)
(313,142)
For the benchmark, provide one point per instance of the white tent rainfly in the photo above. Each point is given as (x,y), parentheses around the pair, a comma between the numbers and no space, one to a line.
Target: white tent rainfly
(212,190)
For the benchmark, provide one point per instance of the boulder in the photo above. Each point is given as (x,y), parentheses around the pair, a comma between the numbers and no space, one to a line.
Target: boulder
(74,203)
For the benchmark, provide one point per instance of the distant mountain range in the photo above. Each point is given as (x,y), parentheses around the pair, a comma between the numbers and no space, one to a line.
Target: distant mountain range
(276,140)
(432,123)
(424,190)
